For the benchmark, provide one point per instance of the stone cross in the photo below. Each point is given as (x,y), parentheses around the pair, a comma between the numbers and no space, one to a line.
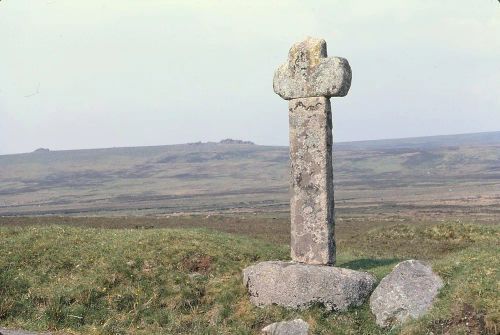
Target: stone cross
(308,80)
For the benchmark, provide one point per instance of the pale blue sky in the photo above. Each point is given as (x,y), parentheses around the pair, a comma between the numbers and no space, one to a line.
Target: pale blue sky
(103,73)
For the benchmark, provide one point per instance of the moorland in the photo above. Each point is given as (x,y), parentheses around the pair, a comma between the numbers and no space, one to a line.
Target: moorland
(454,175)
(152,240)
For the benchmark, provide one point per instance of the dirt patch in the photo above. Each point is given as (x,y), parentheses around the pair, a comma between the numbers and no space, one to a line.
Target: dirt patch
(197,263)
(466,319)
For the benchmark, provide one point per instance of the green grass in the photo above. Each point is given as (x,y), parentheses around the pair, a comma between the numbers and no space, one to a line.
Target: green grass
(172,281)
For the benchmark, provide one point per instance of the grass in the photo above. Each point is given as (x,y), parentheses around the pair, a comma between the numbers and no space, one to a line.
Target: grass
(188,281)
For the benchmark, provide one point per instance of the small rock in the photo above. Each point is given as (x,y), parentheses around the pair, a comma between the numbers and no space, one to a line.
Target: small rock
(407,292)
(298,285)
(294,327)
(195,275)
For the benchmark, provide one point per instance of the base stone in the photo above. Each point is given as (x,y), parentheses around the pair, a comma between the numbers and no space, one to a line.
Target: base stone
(298,285)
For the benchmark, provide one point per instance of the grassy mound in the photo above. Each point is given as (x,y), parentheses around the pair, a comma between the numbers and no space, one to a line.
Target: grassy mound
(168,281)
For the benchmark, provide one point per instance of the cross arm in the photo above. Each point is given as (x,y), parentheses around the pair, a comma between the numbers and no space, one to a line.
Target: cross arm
(310,73)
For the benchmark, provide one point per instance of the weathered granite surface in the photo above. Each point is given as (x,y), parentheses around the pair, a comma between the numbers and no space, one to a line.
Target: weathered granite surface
(296,285)
(308,80)
(407,292)
(293,327)
(312,202)
(310,73)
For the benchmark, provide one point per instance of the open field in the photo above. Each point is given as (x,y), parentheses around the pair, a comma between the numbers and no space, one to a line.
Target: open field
(456,175)
(188,281)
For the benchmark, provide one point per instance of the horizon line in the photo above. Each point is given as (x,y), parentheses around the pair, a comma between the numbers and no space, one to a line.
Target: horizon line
(268,145)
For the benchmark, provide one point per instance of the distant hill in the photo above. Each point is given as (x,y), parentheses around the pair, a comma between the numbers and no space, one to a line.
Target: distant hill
(486,138)
(458,173)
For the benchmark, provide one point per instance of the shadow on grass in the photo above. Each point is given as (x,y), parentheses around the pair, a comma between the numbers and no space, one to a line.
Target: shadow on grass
(367,263)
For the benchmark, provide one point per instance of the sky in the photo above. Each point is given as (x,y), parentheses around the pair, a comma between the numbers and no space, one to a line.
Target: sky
(110,73)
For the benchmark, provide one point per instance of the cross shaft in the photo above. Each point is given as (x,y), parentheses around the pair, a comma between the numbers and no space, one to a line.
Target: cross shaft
(308,80)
